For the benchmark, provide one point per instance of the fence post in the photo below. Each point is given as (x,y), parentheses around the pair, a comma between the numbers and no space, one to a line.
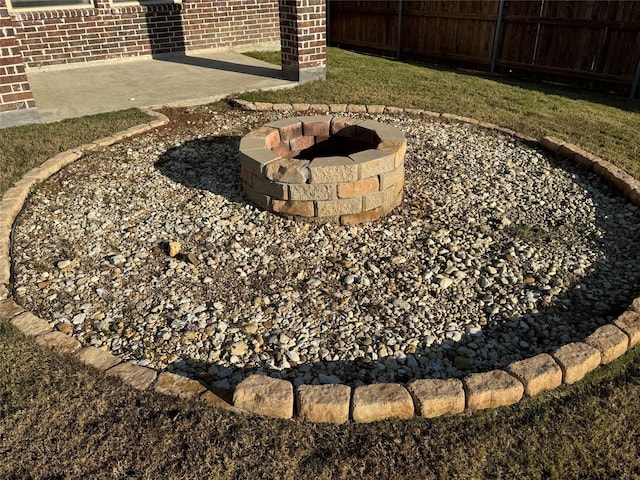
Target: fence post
(634,84)
(496,37)
(398,51)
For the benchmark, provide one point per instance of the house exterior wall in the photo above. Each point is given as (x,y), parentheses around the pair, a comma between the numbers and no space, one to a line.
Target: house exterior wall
(54,37)
(16,100)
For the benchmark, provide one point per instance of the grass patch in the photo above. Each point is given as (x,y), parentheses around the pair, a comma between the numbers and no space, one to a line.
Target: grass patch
(603,124)
(25,147)
(61,420)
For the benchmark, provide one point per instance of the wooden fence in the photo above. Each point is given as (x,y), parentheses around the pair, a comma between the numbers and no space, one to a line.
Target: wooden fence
(594,44)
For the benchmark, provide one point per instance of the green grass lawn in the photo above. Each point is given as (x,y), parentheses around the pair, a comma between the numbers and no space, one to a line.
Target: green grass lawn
(605,125)
(60,419)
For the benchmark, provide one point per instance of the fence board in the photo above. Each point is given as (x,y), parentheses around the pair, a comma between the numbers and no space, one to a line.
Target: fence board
(574,39)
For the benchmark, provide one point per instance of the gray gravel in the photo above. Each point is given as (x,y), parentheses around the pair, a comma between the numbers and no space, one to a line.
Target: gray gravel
(498,252)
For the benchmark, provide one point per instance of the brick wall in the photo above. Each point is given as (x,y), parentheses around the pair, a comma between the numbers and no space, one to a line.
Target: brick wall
(303,41)
(85,34)
(15,92)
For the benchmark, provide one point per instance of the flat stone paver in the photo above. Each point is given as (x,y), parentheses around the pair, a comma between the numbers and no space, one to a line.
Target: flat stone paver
(58,341)
(30,325)
(629,323)
(610,341)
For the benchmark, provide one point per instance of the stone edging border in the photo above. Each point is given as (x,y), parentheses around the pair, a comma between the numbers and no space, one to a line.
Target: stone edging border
(276,398)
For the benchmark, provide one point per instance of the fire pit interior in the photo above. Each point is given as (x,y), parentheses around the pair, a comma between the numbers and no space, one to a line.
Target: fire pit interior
(324,168)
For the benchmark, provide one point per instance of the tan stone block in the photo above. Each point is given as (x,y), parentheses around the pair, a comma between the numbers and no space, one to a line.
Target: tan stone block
(321,191)
(9,309)
(576,360)
(353,108)
(323,403)
(526,138)
(134,375)
(287,170)
(316,126)
(304,208)
(178,386)
(5,269)
(266,396)
(105,141)
(16,194)
(344,206)
(263,106)
(346,127)
(261,200)
(505,130)
(97,358)
(392,178)
(382,130)
(282,107)
(58,341)
(319,107)
(30,325)
(374,162)
(283,149)
(397,147)
(610,341)
(298,144)
(552,144)
(635,305)
(393,110)
(379,199)
(338,107)
(277,190)
(358,188)
(364,217)
(448,117)
(269,135)
(4,291)
(487,125)
(491,389)
(375,109)
(414,112)
(13,204)
(537,374)
(243,104)
(614,176)
(333,170)
(435,397)
(288,127)
(628,322)
(381,401)
(428,115)
(255,160)
(6,219)
(585,159)
(301,107)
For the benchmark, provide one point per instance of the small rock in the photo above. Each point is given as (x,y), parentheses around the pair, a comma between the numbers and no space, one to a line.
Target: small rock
(174,248)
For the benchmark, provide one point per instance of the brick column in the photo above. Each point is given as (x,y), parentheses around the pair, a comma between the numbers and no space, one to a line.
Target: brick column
(303,39)
(17,105)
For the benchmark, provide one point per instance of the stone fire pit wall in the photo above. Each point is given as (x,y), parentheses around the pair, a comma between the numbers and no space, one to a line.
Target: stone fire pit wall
(349,187)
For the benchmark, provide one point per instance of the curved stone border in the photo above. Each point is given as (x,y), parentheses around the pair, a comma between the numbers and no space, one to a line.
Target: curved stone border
(338,403)
(344,188)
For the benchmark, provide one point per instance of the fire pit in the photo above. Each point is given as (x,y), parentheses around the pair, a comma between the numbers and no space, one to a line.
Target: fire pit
(325,169)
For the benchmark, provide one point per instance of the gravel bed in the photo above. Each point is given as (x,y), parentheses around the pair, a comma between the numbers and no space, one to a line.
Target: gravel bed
(499,251)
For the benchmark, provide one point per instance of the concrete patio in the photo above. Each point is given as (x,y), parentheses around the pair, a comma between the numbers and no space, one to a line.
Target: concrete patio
(171,80)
